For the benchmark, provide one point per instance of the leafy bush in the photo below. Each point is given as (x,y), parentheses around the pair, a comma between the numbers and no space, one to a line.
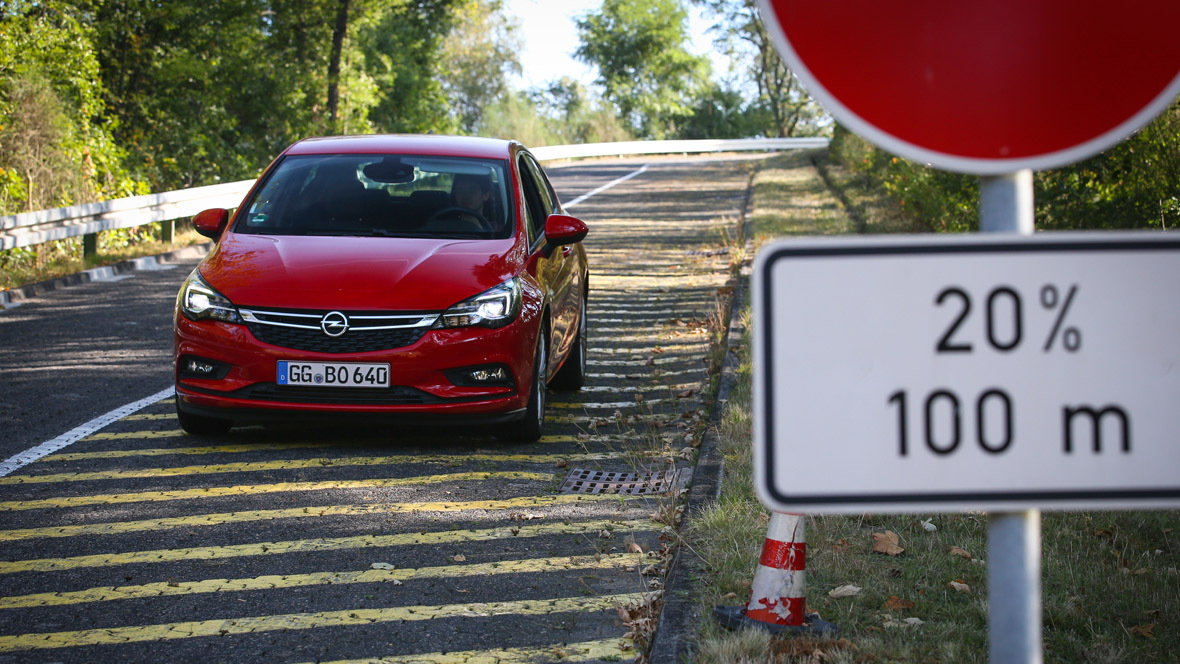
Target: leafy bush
(1134,185)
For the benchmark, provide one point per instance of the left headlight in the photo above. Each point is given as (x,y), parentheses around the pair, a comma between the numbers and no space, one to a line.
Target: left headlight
(493,308)
(200,301)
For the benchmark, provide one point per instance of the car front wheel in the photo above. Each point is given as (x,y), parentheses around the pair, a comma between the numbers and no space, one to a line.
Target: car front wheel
(528,429)
(572,375)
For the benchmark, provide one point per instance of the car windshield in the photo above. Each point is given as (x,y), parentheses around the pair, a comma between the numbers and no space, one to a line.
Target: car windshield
(383,196)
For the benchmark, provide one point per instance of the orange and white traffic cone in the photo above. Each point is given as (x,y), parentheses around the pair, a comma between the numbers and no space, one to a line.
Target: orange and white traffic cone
(778,600)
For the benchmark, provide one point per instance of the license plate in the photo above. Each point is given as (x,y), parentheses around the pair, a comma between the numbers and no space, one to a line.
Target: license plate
(332,374)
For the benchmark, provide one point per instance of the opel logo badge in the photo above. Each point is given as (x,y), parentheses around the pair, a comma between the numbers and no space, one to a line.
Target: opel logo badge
(334,324)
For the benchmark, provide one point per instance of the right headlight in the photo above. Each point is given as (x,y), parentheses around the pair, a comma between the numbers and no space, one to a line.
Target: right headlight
(200,301)
(495,307)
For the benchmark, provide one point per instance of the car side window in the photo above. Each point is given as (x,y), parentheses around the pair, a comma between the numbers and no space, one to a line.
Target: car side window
(548,198)
(535,214)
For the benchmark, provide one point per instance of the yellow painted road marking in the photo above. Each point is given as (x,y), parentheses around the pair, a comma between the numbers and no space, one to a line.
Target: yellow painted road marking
(293,464)
(132,435)
(187,451)
(586,651)
(279,581)
(149,416)
(263,447)
(667,348)
(255,489)
(290,621)
(196,520)
(320,544)
(600,405)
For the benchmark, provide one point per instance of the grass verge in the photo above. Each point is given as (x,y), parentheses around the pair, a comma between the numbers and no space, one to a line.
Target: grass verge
(1111,583)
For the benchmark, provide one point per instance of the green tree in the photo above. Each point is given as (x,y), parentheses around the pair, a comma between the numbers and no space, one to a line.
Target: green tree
(515,116)
(645,69)
(479,55)
(399,44)
(574,117)
(778,103)
(54,146)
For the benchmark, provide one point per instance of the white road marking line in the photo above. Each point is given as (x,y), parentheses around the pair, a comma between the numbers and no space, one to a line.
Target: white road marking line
(604,187)
(77,433)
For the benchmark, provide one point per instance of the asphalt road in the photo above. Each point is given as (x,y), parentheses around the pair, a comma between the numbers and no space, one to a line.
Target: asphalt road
(335,543)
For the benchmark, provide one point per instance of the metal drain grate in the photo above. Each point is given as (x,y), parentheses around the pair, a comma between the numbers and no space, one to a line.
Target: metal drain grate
(634,484)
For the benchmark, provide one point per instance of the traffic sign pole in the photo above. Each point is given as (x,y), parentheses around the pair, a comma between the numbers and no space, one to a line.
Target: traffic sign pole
(1014,587)
(1013,538)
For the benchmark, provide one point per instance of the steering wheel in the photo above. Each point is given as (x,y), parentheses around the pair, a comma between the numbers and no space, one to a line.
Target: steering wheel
(459,210)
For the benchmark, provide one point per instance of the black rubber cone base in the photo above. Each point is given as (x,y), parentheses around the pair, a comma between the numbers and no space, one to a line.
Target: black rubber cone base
(734,617)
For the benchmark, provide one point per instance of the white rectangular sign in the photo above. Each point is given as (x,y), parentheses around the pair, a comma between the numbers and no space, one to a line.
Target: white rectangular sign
(968,372)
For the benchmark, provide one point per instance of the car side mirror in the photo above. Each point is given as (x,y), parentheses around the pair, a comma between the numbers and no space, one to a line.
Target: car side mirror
(562,229)
(210,223)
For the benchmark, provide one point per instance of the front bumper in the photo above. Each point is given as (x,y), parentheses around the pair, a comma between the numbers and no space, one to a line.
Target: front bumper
(420,392)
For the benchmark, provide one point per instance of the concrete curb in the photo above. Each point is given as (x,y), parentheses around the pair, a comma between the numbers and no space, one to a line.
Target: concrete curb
(680,616)
(15,297)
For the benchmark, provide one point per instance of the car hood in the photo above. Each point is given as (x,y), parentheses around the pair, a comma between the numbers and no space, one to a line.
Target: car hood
(357,273)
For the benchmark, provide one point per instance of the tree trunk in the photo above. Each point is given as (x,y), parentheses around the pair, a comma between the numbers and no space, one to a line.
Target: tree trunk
(334,66)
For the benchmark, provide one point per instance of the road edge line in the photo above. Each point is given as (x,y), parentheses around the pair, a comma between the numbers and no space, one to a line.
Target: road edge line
(606,186)
(72,436)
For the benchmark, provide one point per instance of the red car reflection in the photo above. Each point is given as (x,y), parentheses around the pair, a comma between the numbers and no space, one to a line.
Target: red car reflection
(427,279)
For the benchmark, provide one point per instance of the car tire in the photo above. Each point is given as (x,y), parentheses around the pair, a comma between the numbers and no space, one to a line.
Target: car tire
(572,375)
(528,429)
(199,425)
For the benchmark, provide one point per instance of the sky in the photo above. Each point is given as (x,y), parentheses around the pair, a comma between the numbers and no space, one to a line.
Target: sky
(549,37)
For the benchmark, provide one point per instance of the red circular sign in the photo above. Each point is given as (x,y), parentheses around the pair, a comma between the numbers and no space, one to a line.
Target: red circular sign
(984,87)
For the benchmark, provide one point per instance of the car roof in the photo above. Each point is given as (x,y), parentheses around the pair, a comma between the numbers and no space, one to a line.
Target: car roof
(430,144)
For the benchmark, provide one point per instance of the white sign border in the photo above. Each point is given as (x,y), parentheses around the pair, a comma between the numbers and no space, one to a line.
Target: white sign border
(900,245)
(944,160)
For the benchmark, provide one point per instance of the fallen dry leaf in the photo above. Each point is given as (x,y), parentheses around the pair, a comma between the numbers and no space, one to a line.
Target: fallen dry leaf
(561,463)
(1146,631)
(634,548)
(685,394)
(886,543)
(960,552)
(459,558)
(959,586)
(917,622)
(381,566)
(929,526)
(895,603)
(809,649)
(845,591)
(842,545)
(729,596)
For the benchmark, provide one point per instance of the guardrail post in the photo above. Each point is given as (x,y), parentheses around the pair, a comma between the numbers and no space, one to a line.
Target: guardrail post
(89,245)
(167,230)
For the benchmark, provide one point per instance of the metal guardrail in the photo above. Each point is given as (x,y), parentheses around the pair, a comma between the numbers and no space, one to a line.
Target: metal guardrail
(30,228)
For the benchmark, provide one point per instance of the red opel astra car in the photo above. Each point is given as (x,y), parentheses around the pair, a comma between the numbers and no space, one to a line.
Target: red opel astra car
(426,279)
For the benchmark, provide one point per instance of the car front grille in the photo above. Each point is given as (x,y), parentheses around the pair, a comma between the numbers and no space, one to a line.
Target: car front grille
(366,330)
